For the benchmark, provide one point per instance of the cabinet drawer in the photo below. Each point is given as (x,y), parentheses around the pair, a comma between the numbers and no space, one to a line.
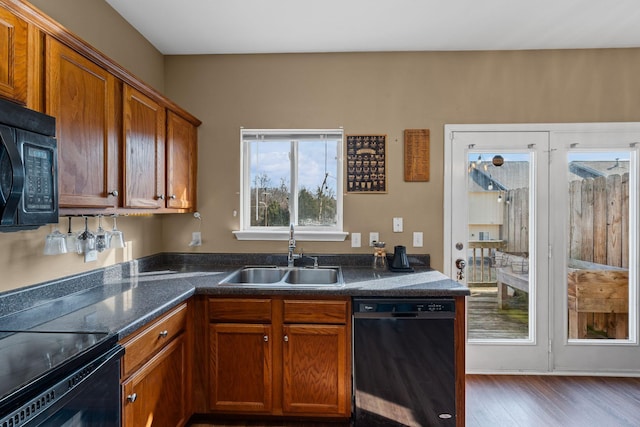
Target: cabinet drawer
(240,310)
(147,341)
(316,311)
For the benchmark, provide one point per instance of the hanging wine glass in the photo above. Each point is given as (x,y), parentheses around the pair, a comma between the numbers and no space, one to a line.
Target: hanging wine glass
(86,239)
(55,243)
(116,237)
(101,236)
(72,243)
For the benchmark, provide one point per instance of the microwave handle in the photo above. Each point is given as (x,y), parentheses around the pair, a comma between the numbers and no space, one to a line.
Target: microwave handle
(8,139)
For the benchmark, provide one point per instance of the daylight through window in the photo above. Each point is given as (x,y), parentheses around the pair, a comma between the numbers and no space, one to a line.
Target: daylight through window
(292,177)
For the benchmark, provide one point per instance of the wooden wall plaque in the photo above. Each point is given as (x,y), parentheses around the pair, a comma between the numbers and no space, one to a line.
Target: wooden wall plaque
(416,155)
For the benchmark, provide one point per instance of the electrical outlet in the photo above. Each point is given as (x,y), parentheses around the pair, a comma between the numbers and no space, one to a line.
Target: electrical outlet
(196,239)
(356,240)
(91,256)
(417,239)
(397,225)
(374,236)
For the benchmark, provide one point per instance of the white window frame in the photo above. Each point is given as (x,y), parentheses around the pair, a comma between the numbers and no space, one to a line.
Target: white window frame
(302,233)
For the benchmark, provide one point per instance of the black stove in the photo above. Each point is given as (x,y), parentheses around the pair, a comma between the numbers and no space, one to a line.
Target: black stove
(27,356)
(39,368)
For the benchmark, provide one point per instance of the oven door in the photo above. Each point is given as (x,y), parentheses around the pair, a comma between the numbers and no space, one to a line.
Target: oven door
(93,402)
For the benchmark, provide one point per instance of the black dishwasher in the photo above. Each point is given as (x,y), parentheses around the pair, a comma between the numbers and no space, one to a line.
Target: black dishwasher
(404,362)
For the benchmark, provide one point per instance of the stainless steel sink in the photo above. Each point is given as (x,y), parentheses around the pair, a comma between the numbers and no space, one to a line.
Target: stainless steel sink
(285,277)
(313,276)
(256,275)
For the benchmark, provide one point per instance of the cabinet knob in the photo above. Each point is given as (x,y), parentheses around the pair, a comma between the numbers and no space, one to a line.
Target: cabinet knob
(164,334)
(160,196)
(114,193)
(173,196)
(286,338)
(132,397)
(266,338)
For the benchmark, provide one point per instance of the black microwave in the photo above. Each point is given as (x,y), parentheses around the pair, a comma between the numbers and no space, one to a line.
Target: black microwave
(28,168)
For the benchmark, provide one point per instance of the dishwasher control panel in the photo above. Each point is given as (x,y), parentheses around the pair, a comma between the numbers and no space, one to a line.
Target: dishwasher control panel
(389,305)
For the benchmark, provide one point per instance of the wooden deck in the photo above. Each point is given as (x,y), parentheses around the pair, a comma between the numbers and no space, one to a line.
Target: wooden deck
(485,320)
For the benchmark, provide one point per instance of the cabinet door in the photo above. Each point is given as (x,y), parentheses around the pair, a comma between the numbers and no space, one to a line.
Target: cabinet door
(181,162)
(316,370)
(13,57)
(240,367)
(156,394)
(81,96)
(144,151)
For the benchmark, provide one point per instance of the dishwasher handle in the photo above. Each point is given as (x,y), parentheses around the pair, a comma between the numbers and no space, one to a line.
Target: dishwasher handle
(404,314)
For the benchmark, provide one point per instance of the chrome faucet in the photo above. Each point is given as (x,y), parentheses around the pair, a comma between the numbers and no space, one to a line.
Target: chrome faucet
(292,247)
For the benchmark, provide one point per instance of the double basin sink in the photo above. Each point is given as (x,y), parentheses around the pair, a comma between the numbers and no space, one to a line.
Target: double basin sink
(279,277)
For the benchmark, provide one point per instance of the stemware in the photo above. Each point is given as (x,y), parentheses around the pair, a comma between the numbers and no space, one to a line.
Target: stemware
(86,239)
(70,240)
(116,237)
(55,243)
(102,242)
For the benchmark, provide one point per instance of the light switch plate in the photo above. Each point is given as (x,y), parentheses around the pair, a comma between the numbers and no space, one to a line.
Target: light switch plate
(356,240)
(397,225)
(417,239)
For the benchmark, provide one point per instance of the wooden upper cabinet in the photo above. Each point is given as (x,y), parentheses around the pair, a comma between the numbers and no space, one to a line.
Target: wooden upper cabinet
(181,162)
(144,151)
(13,57)
(82,97)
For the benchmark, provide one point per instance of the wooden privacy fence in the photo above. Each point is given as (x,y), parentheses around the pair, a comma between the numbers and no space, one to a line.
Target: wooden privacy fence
(598,220)
(598,238)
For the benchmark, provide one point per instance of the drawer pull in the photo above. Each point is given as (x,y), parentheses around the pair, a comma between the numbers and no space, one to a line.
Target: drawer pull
(286,338)
(266,338)
(164,334)
(132,397)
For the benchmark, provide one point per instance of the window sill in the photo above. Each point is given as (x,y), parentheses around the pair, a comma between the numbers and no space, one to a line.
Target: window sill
(303,236)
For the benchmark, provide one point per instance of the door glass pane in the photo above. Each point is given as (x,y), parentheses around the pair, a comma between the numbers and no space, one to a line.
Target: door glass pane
(598,245)
(498,255)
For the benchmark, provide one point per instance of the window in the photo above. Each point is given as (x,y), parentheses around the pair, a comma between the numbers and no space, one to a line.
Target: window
(291,176)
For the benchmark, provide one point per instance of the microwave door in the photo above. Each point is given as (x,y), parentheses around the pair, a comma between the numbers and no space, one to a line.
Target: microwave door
(11,176)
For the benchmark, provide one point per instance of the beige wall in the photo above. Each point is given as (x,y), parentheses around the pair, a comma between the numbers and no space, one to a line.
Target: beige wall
(364,92)
(381,93)
(97,23)
(21,259)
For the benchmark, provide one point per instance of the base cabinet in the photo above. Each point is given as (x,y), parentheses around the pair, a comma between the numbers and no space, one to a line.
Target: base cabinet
(156,372)
(241,365)
(281,357)
(156,394)
(315,370)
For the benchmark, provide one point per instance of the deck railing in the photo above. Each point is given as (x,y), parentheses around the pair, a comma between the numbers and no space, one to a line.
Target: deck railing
(481,270)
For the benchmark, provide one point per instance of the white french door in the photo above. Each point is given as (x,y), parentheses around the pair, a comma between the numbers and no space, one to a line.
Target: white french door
(545,218)
(595,275)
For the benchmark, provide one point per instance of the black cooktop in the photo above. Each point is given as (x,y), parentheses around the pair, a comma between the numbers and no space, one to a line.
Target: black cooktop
(28,357)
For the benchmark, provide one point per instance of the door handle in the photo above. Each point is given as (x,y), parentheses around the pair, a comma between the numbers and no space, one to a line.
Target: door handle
(460,265)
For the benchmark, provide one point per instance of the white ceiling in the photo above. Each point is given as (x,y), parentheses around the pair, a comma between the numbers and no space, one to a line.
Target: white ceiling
(280,26)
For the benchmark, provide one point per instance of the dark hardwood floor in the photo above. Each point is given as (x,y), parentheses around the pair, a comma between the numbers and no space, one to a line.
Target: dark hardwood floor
(540,401)
(530,401)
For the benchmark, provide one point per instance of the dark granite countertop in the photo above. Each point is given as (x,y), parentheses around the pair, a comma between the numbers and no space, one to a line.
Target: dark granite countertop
(121,304)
